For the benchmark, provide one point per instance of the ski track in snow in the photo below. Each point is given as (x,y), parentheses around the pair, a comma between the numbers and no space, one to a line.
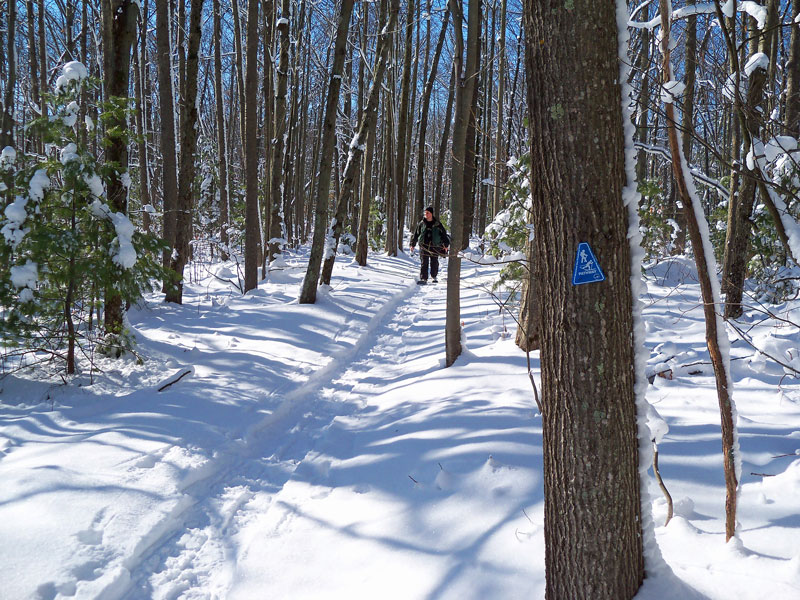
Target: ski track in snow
(265,489)
(186,558)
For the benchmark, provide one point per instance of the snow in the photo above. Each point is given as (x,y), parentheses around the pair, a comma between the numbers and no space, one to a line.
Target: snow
(759,60)
(122,251)
(71,71)
(38,184)
(70,115)
(69,153)
(755,10)
(26,275)
(8,156)
(320,451)
(95,184)
(672,90)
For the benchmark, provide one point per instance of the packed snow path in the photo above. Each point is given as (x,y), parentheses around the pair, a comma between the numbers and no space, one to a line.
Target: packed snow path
(387,486)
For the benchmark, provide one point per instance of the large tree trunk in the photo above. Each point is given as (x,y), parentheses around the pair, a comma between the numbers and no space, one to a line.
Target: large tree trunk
(308,293)
(119,31)
(365,128)
(592,526)
(188,132)
(465,90)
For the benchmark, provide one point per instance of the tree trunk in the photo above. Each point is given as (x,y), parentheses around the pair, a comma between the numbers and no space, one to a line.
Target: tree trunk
(529,312)
(716,335)
(439,173)
(419,193)
(282,67)
(144,180)
(403,124)
(592,526)
(740,205)
(7,116)
(119,31)
(357,146)
(308,293)
(500,157)
(188,133)
(252,241)
(792,119)
(34,62)
(224,198)
(169,176)
(237,45)
(465,92)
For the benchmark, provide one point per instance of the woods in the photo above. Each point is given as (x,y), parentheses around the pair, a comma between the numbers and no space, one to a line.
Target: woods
(145,143)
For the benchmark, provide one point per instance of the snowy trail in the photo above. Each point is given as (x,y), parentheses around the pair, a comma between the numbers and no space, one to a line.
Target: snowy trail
(200,533)
(291,493)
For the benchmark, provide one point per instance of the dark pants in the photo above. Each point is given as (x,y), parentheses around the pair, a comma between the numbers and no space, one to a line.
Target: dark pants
(427,258)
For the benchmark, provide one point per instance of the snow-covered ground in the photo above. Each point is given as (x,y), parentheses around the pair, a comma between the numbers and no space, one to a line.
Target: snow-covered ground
(321,451)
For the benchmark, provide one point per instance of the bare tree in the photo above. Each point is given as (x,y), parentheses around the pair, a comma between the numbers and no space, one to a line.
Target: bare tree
(358,144)
(308,293)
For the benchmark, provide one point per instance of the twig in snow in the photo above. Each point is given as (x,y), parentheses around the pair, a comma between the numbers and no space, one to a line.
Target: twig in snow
(182,375)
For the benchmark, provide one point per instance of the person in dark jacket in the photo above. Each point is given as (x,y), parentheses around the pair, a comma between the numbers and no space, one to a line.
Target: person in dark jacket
(433,243)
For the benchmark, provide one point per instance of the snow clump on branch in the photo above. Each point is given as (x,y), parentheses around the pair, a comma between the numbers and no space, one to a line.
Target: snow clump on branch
(71,71)
(124,254)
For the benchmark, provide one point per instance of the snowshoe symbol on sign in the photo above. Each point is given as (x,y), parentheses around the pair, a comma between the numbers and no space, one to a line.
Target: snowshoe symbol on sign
(587,269)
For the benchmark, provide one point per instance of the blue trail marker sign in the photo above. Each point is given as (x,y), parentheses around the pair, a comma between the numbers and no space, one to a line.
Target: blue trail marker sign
(587,269)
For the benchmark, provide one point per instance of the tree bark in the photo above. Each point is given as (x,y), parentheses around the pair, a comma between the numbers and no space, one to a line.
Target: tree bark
(222,173)
(466,76)
(169,176)
(704,259)
(403,123)
(119,31)
(282,67)
(357,146)
(7,116)
(500,157)
(439,173)
(740,205)
(188,133)
(308,293)
(792,118)
(419,193)
(592,526)
(252,241)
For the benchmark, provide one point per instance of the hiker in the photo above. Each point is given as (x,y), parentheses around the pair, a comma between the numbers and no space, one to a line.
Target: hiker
(433,243)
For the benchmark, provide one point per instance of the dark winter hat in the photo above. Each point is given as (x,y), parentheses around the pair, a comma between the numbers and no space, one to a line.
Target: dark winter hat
(429,209)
